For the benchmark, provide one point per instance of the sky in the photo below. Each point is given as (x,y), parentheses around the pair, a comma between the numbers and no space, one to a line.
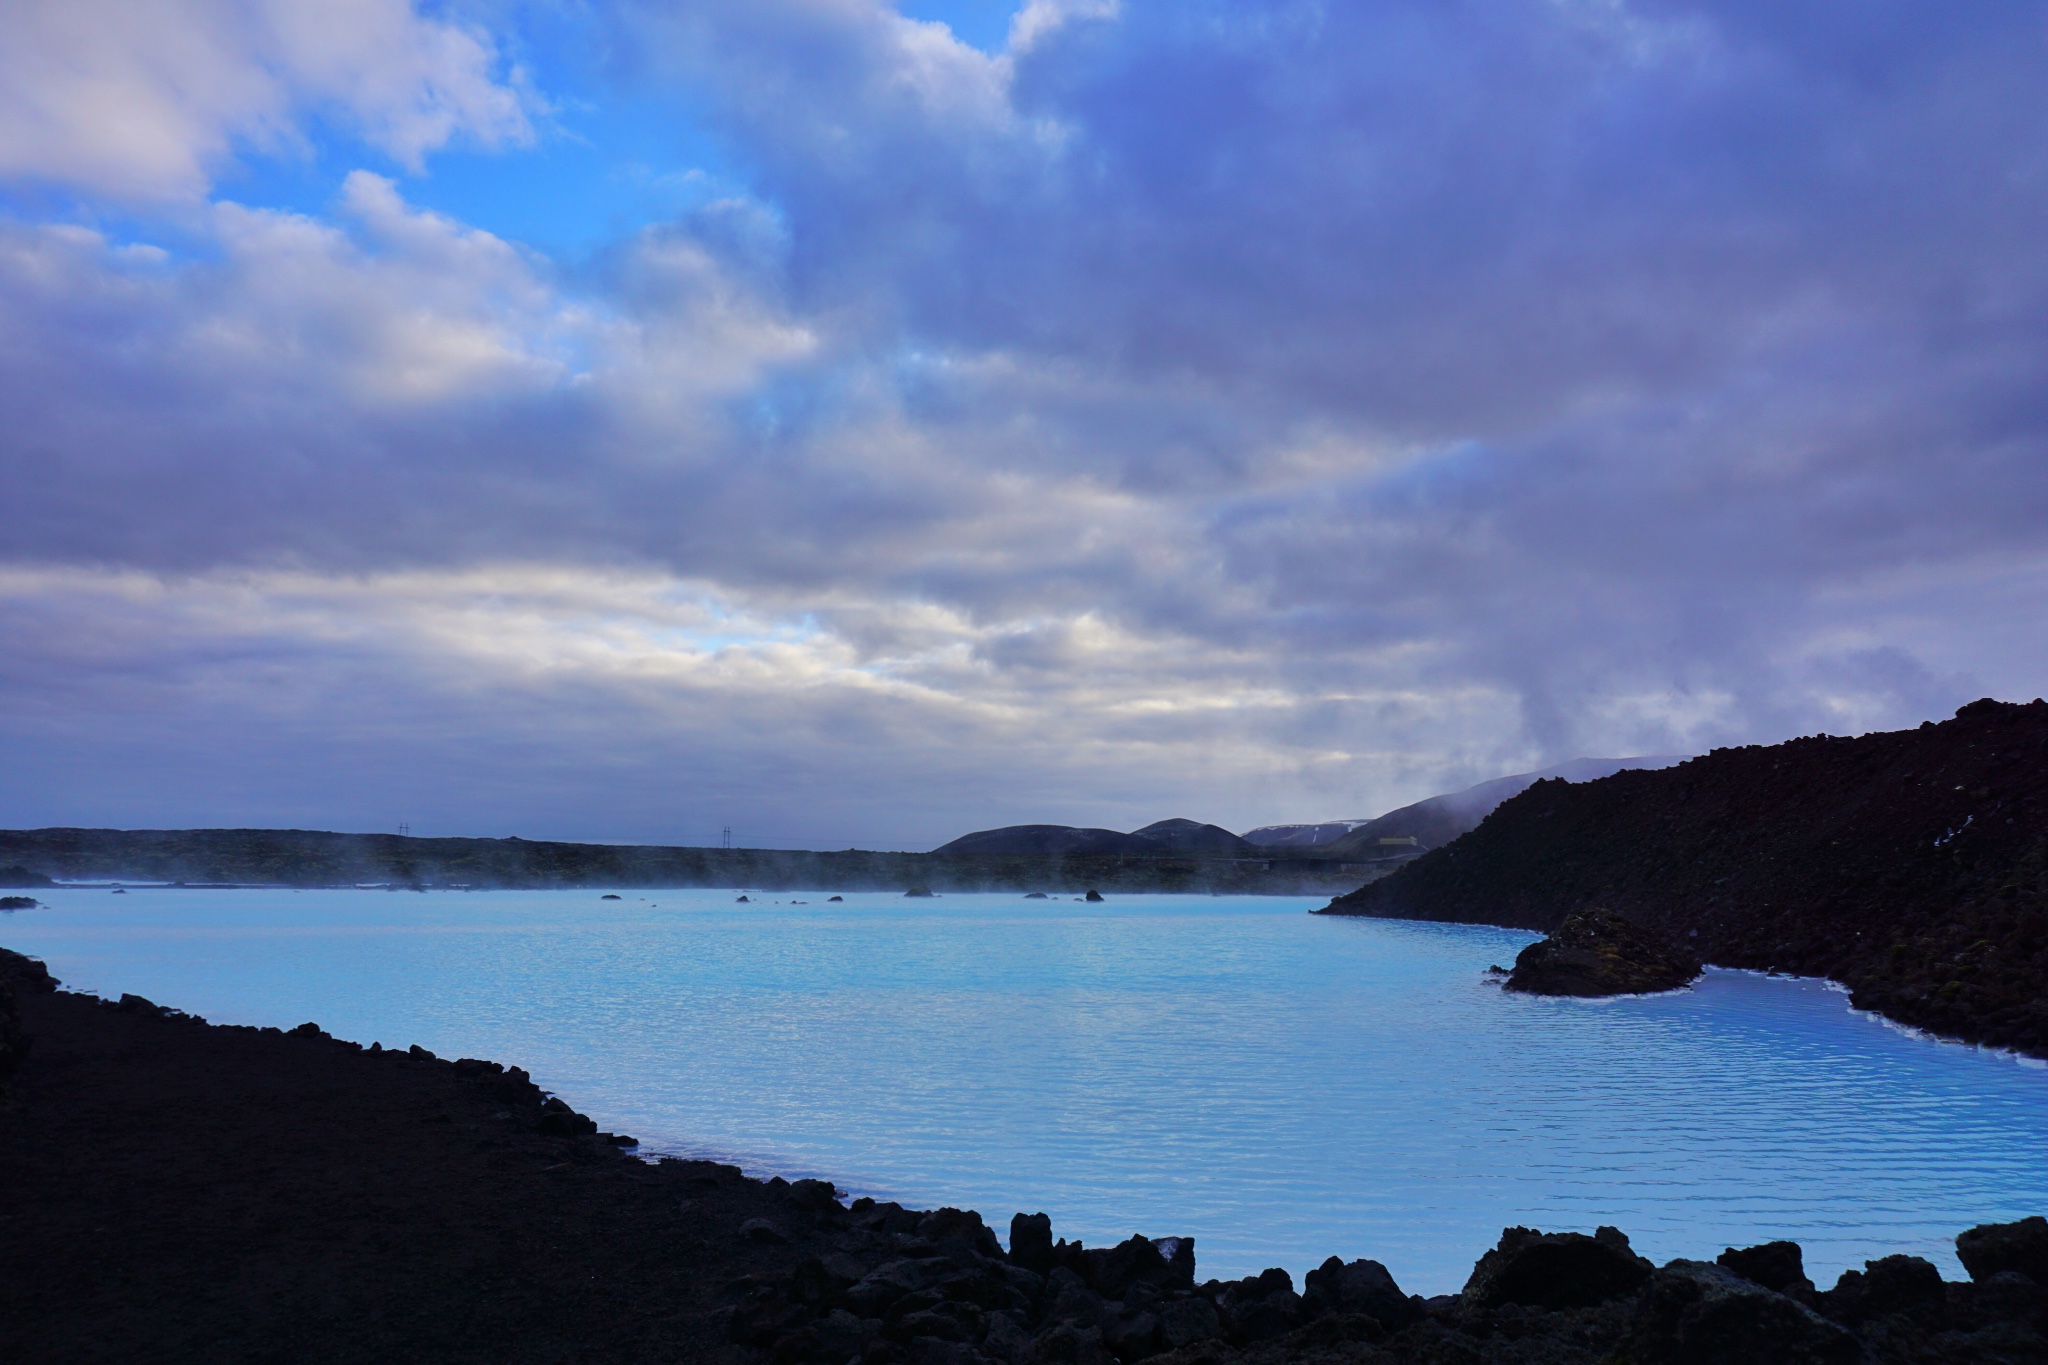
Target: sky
(853,425)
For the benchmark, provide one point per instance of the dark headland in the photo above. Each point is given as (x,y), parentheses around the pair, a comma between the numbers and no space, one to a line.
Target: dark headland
(174,1191)
(1910,866)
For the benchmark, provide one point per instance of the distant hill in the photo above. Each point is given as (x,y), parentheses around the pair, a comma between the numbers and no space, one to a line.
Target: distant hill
(1184,837)
(1193,837)
(1436,820)
(1911,866)
(1174,855)
(1302,836)
(1049,841)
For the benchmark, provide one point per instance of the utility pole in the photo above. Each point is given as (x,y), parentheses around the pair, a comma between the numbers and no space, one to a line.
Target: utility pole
(726,835)
(404,830)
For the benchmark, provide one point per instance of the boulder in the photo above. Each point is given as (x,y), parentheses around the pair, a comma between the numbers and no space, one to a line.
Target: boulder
(1362,1287)
(18,902)
(1113,1270)
(958,1229)
(1595,952)
(1887,1286)
(1185,1321)
(919,892)
(1031,1241)
(1556,1270)
(1777,1266)
(1093,895)
(26,973)
(1693,1313)
(763,1231)
(1993,1247)
(1072,1344)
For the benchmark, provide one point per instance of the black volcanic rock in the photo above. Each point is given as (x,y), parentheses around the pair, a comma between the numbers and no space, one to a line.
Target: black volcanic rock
(1994,1247)
(18,902)
(1692,1311)
(1777,1266)
(1597,953)
(1911,866)
(1556,1270)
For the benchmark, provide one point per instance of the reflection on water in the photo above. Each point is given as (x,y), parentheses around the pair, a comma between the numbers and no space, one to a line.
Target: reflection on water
(1282,1087)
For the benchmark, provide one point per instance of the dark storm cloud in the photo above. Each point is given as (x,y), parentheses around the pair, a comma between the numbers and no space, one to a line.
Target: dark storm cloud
(1407,391)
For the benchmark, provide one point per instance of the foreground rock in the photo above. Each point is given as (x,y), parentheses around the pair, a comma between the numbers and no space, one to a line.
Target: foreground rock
(1597,953)
(175,1191)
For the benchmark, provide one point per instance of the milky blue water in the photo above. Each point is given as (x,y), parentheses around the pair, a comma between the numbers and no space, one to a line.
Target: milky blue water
(1282,1087)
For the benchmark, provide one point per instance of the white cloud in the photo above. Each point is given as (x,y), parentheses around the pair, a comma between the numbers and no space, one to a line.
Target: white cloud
(148,99)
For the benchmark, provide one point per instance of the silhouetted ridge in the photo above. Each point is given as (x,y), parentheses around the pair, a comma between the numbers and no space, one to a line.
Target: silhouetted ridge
(1912,866)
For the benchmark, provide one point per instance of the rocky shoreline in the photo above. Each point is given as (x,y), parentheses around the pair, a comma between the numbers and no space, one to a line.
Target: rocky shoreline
(1910,866)
(173,1190)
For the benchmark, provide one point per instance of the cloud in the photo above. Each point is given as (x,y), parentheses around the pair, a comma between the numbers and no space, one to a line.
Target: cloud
(1303,407)
(148,99)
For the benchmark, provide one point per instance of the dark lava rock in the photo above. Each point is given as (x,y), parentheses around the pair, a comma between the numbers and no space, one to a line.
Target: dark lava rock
(1698,1314)
(920,892)
(830,900)
(1777,1266)
(1093,895)
(1140,1260)
(1031,1241)
(1994,1247)
(1556,1270)
(18,902)
(1597,953)
(14,1035)
(761,1230)
(1363,1287)
(609,896)
(742,901)
(954,1230)
(1185,1321)
(1887,1286)
(1910,866)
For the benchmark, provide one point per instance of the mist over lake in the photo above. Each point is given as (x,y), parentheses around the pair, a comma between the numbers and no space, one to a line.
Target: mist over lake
(1279,1086)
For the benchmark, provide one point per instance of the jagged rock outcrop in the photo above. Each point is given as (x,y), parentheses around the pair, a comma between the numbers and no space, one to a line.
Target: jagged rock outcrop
(1596,953)
(1911,866)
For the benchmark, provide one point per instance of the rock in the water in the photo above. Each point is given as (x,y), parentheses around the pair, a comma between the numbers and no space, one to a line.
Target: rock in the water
(1595,952)
(1093,895)
(18,902)
(920,892)
(1695,1312)
(1993,1247)
(1556,1270)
